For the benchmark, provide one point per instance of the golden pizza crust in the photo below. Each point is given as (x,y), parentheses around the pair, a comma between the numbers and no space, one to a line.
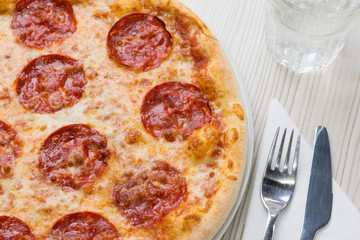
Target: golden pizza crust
(224,80)
(212,160)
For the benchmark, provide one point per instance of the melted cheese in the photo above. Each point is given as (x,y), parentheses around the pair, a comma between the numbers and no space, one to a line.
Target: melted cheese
(111,105)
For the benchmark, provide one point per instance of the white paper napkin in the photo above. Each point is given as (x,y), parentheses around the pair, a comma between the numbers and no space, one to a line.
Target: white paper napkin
(345,220)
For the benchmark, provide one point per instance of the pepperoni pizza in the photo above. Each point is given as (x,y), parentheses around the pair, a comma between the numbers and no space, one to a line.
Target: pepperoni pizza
(119,119)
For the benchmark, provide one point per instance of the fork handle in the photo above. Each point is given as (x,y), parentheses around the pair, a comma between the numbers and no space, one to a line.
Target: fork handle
(270,226)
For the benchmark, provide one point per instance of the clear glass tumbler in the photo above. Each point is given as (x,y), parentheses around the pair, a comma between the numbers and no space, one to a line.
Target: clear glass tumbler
(306,35)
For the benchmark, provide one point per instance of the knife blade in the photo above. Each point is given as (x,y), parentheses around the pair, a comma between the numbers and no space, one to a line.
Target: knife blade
(320,197)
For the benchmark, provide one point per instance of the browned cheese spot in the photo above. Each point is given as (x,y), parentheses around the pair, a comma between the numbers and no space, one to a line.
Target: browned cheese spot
(4,94)
(190,220)
(239,111)
(202,143)
(232,177)
(132,136)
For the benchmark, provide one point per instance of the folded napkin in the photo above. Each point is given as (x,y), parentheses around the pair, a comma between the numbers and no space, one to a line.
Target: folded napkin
(345,220)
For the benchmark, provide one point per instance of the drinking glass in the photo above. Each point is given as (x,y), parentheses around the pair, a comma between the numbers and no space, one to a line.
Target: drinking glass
(306,35)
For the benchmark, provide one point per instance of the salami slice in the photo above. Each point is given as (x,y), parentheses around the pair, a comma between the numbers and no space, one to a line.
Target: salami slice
(39,23)
(73,156)
(49,83)
(9,148)
(139,41)
(84,226)
(174,109)
(12,228)
(148,195)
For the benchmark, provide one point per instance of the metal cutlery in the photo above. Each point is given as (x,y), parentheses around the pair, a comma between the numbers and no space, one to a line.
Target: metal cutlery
(320,196)
(279,182)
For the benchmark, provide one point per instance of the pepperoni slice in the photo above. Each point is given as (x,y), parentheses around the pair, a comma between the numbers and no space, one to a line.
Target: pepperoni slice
(9,148)
(148,195)
(39,23)
(84,226)
(139,41)
(174,108)
(49,83)
(73,156)
(12,228)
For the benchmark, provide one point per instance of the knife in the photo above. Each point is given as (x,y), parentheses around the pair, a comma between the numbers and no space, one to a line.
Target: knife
(320,197)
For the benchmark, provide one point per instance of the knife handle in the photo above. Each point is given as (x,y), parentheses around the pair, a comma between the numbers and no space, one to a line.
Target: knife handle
(270,226)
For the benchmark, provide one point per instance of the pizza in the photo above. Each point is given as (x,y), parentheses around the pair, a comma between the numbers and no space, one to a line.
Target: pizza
(119,119)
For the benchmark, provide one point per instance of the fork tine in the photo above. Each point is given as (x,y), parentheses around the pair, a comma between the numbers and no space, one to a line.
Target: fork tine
(272,150)
(296,155)
(278,160)
(287,158)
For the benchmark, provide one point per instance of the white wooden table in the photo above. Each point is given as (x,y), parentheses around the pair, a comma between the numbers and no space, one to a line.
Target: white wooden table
(330,98)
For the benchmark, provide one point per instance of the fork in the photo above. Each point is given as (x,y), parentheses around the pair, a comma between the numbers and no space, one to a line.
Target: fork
(279,183)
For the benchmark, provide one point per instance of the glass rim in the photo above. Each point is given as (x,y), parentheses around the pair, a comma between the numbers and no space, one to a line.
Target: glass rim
(309,12)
